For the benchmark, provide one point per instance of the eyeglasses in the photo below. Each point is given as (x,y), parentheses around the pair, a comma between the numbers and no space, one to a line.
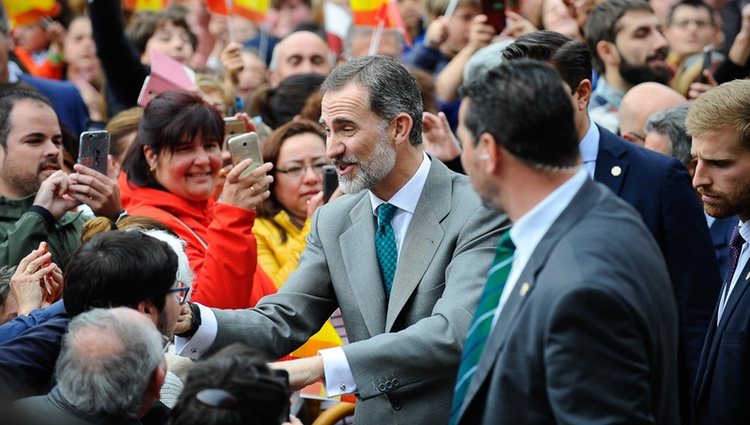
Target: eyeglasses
(295,172)
(217,398)
(182,291)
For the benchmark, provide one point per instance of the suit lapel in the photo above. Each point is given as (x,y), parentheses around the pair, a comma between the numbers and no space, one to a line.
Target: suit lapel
(715,332)
(610,166)
(583,201)
(422,239)
(358,252)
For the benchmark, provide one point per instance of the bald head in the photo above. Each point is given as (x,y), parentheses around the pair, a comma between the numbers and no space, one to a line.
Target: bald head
(300,52)
(641,102)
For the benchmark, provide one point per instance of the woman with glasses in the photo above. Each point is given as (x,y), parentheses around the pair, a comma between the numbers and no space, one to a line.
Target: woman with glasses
(297,151)
(169,174)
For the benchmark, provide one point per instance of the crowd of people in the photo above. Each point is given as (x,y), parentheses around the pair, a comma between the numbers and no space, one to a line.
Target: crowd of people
(539,223)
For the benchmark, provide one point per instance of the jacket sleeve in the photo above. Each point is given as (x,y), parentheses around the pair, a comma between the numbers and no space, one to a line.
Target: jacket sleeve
(227,273)
(22,238)
(120,60)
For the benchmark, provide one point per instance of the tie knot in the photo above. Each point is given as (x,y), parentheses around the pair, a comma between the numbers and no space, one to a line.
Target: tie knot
(737,240)
(506,244)
(385,213)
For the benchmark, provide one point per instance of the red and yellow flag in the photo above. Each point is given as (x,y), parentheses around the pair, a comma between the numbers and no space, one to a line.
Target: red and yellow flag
(145,5)
(254,10)
(25,12)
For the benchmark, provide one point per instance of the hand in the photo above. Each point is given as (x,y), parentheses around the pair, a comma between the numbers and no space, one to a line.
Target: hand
(249,124)
(185,320)
(480,33)
(517,26)
(28,282)
(249,191)
(293,420)
(96,190)
(437,33)
(313,203)
(302,372)
(438,137)
(55,33)
(697,89)
(231,62)
(93,99)
(52,195)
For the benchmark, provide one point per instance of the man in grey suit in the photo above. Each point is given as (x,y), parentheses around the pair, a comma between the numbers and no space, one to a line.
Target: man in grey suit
(583,327)
(406,284)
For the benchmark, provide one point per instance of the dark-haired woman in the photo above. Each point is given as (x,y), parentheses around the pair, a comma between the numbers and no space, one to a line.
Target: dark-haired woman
(169,173)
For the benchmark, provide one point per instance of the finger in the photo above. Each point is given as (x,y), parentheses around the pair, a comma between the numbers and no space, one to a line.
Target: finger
(36,264)
(710,80)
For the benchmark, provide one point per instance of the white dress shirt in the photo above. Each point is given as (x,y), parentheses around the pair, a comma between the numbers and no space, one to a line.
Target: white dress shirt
(589,148)
(338,376)
(528,231)
(741,262)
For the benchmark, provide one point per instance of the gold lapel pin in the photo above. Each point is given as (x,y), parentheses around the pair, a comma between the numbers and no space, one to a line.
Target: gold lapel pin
(616,170)
(524,289)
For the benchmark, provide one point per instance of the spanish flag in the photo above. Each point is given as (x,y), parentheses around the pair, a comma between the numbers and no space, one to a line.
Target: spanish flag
(144,5)
(254,10)
(25,12)
(372,12)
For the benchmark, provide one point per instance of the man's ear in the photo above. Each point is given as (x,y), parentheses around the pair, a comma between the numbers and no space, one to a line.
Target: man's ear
(607,51)
(401,129)
(149,309)
(488,153)
(583,95)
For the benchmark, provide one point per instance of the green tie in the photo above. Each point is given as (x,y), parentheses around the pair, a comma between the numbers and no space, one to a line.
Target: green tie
(385,245)
(481,324)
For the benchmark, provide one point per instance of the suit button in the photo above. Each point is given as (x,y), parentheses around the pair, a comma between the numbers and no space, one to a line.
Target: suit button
(396,405)
(381,387)
(395,383)
(389,385)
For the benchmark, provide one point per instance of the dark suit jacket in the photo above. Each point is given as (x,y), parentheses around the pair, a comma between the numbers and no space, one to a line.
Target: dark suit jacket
(589,333)
(659,188)
(722,389)
(721,233)
(404,350)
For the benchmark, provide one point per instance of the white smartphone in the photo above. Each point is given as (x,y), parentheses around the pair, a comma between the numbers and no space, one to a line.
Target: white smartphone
(246,146)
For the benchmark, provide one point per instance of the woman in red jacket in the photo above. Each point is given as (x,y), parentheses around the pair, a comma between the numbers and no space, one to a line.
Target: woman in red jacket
(170,172)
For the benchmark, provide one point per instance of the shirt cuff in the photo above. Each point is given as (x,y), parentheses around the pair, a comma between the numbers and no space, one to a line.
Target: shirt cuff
(338,375)
(196,346)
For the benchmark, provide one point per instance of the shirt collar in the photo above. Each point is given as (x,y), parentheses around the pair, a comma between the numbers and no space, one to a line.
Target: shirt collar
(611,94)
(589,145)
(529,229)
(406,198)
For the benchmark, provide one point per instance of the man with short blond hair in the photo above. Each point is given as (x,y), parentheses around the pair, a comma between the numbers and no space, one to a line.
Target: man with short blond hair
(718,122)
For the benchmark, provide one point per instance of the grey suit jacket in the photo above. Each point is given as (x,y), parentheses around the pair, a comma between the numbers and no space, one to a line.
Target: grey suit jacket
(589,333)
(404,352)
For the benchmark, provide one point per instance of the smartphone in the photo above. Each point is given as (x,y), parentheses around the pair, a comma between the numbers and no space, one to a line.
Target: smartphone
(495,12)
(330,181)
(245,146)
(707,61)
(232,127)
(93,148)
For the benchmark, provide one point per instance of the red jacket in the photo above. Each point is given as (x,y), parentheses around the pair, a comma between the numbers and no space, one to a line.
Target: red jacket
(220,244)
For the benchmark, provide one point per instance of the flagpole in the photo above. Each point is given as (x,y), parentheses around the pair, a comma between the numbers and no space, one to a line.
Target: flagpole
(375,41)
(450,9)
(230,25)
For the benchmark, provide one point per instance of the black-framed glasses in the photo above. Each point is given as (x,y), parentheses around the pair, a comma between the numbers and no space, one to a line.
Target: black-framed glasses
(181,290)
(217,398)
(296,171)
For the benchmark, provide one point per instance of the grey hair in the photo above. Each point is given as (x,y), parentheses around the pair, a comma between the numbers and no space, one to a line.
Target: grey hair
(391,89)
(671,123)
(6,273)
(184,273)
(110,380)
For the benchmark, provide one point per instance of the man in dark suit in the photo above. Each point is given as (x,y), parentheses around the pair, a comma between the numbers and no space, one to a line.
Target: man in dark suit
(721,148)
(584,327)
(657,186)
(406,313)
